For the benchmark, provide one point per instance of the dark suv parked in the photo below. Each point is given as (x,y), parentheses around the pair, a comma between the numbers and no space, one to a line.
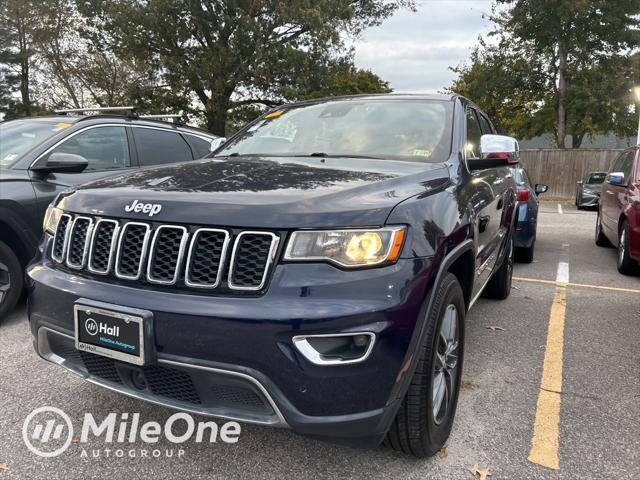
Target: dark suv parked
(315,273)
(42,156)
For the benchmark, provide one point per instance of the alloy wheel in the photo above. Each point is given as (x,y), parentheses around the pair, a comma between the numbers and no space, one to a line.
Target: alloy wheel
(5,281)
(622,244)
(443,381)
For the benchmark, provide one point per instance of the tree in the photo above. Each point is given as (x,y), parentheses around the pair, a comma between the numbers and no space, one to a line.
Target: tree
(570,35)
(229,54)
(18,20)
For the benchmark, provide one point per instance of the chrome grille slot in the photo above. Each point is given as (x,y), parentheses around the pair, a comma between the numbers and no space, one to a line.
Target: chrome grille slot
(253,253)
(103,242)
(132,249)
(184,257)
(206,258)
(60,239)
(167,250)
(78,242)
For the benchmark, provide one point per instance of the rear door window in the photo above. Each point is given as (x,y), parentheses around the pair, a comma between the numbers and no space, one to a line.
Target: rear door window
(199,145)
(157,147)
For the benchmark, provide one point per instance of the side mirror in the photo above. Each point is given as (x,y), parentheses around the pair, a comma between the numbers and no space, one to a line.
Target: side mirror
(496,151)
(541,188)
(216,143)
(616,178)
(63,163)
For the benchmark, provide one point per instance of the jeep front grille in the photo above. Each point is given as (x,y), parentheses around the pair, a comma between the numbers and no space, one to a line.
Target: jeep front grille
(160,254)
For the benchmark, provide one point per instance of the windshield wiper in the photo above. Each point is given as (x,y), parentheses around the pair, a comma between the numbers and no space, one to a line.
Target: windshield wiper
(346,155)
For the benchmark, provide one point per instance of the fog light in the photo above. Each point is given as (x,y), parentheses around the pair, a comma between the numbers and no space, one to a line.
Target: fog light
(335,349)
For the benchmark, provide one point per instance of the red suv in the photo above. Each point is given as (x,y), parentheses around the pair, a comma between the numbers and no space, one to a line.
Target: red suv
(619,210)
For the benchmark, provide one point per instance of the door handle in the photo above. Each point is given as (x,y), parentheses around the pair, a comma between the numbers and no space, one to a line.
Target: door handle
(483,222)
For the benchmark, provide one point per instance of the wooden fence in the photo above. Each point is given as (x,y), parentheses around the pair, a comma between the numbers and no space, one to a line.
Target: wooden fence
(561,169)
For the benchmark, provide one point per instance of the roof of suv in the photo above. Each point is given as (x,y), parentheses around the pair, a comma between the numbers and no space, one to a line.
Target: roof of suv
(103,118)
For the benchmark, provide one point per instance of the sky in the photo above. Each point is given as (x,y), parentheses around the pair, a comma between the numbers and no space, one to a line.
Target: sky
(414,50)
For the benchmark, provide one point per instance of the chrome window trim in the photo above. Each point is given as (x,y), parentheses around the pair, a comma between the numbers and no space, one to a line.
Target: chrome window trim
(223,255)
(315,357)
(85,247)
(64,240)
(273,248)
(114,242)
(143,254)
(123,125)
(183,244)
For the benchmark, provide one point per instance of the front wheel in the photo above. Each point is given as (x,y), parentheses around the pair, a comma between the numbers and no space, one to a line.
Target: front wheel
(425,417)
(626,264)
(10,279)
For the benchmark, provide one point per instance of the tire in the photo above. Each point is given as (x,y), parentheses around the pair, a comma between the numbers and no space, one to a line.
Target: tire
(10,279)
(601,238)
(419,429)
(626,264)
(499,287)
(525,254)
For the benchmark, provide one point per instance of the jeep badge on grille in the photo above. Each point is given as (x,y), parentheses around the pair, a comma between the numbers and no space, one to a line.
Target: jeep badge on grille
(150,209)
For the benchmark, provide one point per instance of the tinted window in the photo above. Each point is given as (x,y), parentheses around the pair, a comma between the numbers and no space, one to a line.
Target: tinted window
(485,125)
(157,147)
(415,130)
(105,148)
(617,163)
(200,146)
(596,178)
(626,166)
(472,145)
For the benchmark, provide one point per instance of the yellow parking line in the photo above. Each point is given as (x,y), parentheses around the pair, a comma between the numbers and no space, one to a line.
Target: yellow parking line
(579,285)
(546,431)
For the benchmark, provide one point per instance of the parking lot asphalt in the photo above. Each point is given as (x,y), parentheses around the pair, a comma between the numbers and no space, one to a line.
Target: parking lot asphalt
(585,425)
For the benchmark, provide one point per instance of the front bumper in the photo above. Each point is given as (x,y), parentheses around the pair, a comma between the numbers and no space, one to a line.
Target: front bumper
(589,199)
(241,348)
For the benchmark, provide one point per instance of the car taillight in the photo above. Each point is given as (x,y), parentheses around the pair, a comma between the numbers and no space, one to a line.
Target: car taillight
(523,194)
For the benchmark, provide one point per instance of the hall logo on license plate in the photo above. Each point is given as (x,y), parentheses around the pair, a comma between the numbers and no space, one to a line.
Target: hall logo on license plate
(113,334)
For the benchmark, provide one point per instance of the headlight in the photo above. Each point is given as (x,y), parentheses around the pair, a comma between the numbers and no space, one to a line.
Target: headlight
(347,248)
(51,219)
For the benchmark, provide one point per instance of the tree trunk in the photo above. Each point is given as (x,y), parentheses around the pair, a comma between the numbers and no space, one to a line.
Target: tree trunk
(562,93)
(576,140)
(216,113)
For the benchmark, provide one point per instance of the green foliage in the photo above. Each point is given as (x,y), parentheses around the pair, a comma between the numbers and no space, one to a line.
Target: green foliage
(228,54)
(560,66)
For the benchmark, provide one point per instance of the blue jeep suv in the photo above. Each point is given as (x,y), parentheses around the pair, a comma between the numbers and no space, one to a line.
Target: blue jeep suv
(314,273)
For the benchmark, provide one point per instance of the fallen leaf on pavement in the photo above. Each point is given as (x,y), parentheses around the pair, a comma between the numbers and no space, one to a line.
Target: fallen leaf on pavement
(468,385)
(493,328)
(442,453)
(4,466)
(482,472)
(75,439)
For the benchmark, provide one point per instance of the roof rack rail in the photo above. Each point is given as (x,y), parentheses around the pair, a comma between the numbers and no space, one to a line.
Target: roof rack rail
(130,110)
(177,118)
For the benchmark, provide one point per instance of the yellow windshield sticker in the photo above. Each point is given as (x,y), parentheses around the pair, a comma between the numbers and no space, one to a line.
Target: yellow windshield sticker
(62,125)
(275,114)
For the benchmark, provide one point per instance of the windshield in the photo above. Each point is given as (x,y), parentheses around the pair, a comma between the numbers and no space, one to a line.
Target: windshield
(596,178)
(410,130)
(18,137)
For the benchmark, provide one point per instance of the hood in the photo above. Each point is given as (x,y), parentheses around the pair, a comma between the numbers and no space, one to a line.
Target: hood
(594,187)
(255,192)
